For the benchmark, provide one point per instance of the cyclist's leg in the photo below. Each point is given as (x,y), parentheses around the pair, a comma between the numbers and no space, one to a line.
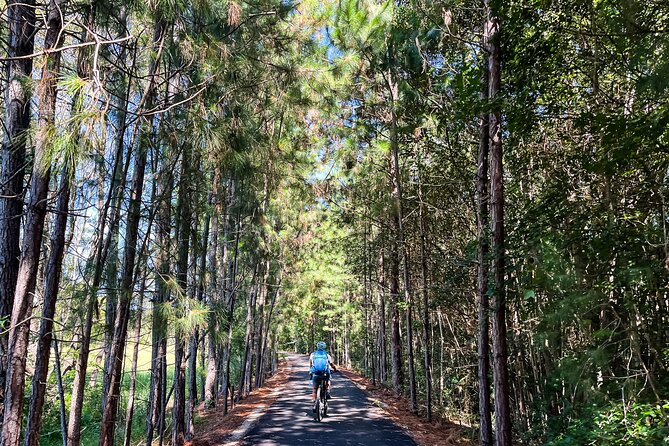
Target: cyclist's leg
(328,387)
(314,386)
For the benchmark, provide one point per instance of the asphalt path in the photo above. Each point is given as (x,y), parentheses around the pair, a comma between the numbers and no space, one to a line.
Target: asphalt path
(352,418)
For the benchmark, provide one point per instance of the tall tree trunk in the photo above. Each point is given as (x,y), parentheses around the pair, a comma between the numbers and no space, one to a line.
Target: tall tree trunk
(213,287)
(130,408)
(61,390)
(245,367)
(260,322)
(383,355)
(396,178)
(275,296)
(426,301)
(157,389)
(32,239)
(395,339)
(181,302)
(499,342)
(113,377)
(51,286)
(485,435)
(195,338)
(230,310)
(20,43)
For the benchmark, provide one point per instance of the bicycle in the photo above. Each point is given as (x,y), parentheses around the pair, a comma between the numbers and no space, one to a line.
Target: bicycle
(321,404)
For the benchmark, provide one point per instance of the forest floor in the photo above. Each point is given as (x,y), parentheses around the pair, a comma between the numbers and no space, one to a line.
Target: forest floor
(213,429)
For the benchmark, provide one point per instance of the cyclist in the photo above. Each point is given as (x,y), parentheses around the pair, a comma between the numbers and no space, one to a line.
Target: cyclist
(320,363)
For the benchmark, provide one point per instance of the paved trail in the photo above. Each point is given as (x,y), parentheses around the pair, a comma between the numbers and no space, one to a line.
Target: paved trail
(352,418)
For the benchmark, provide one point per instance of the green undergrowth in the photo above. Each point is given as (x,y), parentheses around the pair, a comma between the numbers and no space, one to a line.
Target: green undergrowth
(618,424)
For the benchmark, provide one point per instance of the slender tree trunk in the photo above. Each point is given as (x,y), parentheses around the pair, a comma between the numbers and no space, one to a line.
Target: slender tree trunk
(184,215)
(275,297)
(232,283)
(499,342)
(130,408)
(159,322)
(32,239)
(20,43)
(210,377)
(61,391)
(51,286)
(245,368)
(396,178)
(260,322)
(426,303)
(195,338)
(383,355)
(395,340)
(485,434)
(192,385)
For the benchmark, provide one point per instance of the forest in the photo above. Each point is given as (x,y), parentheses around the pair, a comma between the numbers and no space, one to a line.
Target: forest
(466,199)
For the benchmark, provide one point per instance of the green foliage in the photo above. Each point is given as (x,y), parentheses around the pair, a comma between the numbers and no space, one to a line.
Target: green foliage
(621,424)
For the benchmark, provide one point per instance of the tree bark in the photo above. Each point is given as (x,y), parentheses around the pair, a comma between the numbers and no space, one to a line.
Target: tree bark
(20,43)
(195,338)
(130,408)
(157,389)
(181,302)
(245,367)
(52,281)
(499,341)
(485,432)
(232,283)
(426,301)
(395,340)
(383,355)
(260,322)
(61,390)
(32,239)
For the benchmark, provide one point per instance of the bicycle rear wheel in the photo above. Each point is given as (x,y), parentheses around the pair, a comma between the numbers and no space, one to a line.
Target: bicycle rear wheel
(324,400)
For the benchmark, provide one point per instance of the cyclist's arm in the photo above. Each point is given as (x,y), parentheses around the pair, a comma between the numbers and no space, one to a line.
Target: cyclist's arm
(331,362)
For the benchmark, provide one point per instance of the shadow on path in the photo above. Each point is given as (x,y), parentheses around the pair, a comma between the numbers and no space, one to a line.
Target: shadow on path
(352,418)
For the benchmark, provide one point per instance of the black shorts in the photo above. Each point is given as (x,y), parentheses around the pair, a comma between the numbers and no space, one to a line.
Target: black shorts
(320,376)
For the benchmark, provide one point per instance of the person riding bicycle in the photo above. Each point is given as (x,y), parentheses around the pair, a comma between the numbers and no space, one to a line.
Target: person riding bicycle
(320,362)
